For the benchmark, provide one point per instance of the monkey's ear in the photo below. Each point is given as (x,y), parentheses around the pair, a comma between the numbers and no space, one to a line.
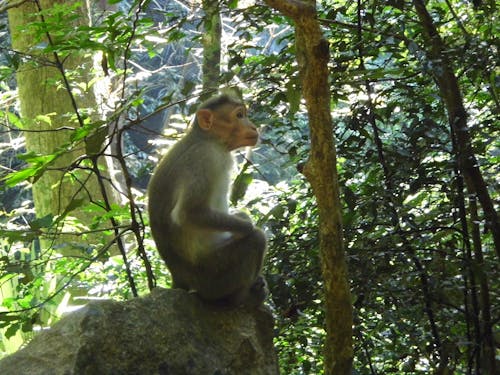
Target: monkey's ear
(205,118)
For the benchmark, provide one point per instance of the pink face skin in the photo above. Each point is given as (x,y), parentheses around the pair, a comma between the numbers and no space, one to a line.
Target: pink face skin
(230,124)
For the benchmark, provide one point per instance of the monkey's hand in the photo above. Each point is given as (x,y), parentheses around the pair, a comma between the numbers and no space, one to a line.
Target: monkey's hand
(248,224)
(244,216)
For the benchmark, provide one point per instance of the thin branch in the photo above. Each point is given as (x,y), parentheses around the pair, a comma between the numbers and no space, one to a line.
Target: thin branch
(137,221)
(6,5)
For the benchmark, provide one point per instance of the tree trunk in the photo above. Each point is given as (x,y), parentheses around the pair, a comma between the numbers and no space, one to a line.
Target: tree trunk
(320,170)
(488,348)
(48,111)
(211,46)
(42,92)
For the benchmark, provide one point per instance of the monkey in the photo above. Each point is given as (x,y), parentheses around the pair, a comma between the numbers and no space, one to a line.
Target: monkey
(216,254)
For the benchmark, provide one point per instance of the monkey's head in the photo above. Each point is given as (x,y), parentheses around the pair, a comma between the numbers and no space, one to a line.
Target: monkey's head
(225,118)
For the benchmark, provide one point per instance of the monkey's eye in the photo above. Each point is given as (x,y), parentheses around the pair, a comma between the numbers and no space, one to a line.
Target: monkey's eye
(240,114)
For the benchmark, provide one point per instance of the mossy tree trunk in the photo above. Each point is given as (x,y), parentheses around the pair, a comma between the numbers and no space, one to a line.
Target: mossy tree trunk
(51,107)
(320,170)
(211,47)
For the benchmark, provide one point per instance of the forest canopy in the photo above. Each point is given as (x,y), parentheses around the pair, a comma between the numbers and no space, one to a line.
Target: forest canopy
(397,178)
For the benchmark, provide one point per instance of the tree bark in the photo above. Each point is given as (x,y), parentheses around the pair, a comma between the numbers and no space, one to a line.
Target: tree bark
(39,95)
(320,170)
(211,46)
(46,108)
(488,347)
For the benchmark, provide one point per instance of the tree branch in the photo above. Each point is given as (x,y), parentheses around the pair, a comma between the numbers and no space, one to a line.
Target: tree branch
(294,8)
(6,5)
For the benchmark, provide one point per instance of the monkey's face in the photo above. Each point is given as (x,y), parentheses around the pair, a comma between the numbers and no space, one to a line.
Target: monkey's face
(230,125)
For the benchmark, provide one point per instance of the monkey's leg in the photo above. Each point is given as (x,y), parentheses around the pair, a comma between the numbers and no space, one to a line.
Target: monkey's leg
(232,268)
(250,297)
(181,271)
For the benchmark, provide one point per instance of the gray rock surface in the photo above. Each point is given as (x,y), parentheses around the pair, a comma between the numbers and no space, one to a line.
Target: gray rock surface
(167,332)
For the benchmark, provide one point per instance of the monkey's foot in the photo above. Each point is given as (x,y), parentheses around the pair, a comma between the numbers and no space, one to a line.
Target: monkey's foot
(250,297)
(257,293)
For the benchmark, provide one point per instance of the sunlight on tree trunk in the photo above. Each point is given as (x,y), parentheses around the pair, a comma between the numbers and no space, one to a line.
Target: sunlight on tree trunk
(47,108)
(51,108)
(320,170)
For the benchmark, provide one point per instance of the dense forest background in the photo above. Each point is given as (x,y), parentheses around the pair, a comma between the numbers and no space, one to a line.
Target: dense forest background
(91,95)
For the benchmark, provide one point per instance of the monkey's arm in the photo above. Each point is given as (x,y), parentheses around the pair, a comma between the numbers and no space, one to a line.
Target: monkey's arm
(202,199)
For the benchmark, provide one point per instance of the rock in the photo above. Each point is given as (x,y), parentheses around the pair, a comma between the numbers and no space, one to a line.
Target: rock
(167,332)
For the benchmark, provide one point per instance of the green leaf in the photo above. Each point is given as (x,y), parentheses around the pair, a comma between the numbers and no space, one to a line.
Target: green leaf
(233,4)
(35,171)
(43,222)
(240,187)
(12,119)
(80,133)
(73,205)
(14,178)
(45,118)
(293,96)
(12,330)
(27,326)
(18,235)
(6,319)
